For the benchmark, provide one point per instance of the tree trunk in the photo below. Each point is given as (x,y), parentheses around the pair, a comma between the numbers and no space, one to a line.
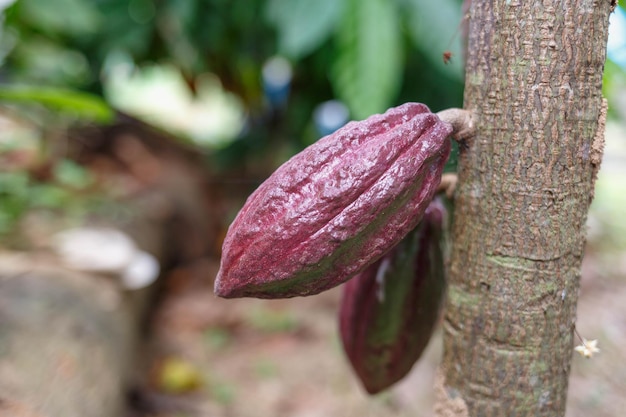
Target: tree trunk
(533,81)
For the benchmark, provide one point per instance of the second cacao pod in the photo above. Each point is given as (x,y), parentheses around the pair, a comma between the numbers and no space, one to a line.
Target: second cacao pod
(336,207)
(389,311)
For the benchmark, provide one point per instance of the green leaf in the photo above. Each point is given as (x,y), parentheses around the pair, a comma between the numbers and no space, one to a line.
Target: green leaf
(303,24)
(613,86)
(44,61)
(433,27)
(49,196)
(70,174)
(77,103)
(368,69)
(223,393)
(72,17)
(14,184)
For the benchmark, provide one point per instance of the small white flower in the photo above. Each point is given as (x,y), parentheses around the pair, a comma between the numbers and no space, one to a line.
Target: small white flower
(587,348)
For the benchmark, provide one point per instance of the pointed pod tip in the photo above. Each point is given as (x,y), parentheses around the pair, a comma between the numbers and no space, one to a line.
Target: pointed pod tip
(222,289)
(230,287)
(374,389)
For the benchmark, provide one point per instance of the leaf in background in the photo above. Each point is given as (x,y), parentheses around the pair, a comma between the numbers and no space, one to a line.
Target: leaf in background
(432,26)
(303,24)
(368,69)
(14,198)
(73,17)
(76,103)
(176,29)
(614,88)
(45,61)
(70,174)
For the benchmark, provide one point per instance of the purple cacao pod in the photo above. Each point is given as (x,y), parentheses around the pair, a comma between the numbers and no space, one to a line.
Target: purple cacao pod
(389,311)
(336,207)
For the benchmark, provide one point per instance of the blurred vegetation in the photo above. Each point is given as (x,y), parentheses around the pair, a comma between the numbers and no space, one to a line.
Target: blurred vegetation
(68,61)
(371,54)
(358,49)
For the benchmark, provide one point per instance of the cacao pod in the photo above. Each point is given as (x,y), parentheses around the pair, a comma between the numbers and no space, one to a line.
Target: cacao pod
(336,207)
(389,311)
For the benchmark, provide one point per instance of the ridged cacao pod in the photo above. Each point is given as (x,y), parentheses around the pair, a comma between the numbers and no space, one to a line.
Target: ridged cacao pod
(336,207)
(389,311)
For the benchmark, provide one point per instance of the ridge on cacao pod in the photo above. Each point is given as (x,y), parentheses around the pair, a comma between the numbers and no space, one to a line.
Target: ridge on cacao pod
(336,207)
(389,311)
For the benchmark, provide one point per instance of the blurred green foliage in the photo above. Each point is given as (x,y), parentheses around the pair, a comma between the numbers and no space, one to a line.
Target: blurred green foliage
(371,54)
(75,104)
(66,190)
(358,46)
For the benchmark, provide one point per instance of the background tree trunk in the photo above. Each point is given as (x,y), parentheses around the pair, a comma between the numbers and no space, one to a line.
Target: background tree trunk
(533,80)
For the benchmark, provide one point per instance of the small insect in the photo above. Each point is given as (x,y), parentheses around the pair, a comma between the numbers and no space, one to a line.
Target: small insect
(447,54)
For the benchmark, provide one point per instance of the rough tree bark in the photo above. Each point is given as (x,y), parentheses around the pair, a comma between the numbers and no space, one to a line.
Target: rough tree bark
(533,80)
